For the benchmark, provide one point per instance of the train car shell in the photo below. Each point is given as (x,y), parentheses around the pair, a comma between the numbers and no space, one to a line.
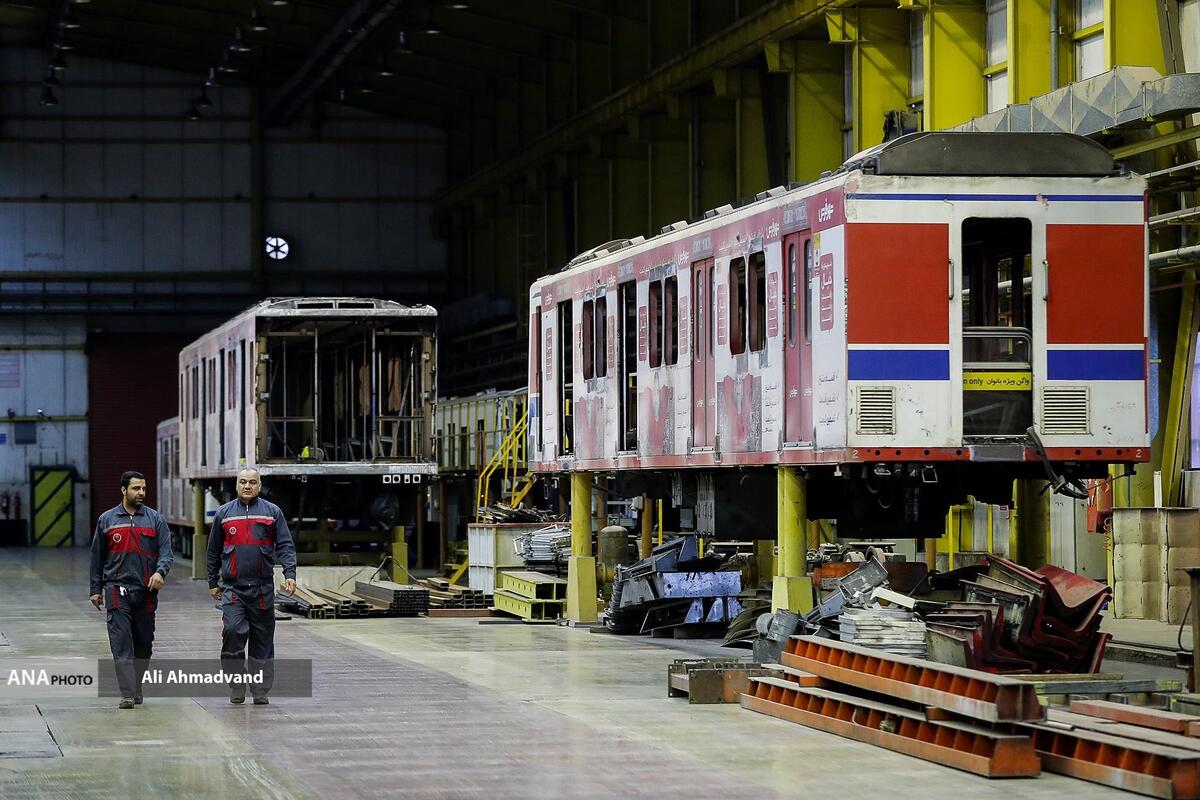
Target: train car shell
(855,347)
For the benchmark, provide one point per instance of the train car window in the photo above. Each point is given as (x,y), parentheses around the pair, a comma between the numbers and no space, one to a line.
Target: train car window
(671,320)
(737,306)
(195,381)
(698,317)
(758,302)
(203,415)
(791,293)
(535,326)
(586,334)
(241,404)
(628,339)
(601,338)
(220,398)
(656,323)
(808,277)
(231,398)
(566,378)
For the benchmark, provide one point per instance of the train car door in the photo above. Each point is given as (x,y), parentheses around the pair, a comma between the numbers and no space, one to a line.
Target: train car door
(797,348)
(704,405)
(997,327)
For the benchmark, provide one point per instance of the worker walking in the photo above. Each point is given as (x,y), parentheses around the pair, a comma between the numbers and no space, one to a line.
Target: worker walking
(131,556)
(247,535)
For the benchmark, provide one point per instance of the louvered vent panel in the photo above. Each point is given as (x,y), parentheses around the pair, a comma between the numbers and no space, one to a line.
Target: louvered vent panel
(1065,410)
(876,411)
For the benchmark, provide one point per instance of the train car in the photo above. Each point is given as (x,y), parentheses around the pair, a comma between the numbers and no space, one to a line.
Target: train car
(330,399)
(944,314)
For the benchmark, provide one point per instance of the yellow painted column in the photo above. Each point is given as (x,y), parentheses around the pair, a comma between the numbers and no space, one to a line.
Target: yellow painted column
(954,62)
(1029,50)
(791,588)
(646,544)
(581,567)
(1174,424)
(1132,37)
(199,534)
(1033,524)
(879,65)
(399,555)
(667,170)
(817,109)
(742,86)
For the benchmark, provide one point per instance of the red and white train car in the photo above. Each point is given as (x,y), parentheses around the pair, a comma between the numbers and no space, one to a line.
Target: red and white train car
(944,314)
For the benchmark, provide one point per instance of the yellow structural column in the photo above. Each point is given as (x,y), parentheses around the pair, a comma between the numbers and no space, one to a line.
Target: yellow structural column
(1132,36)
(816,106)
(1029,50)
(879,65)
(1174,425)
(199,534)
(1033,523)
(791,588)
(581,567)
(399,555)
(954,62)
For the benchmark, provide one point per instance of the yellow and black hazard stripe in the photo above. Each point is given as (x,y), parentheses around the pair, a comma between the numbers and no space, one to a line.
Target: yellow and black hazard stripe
(52,496)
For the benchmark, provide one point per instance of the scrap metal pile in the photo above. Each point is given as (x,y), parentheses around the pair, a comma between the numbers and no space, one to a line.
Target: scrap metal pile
(500,513)
(1009,620)
(673,590)
(547,549)
(1017,620)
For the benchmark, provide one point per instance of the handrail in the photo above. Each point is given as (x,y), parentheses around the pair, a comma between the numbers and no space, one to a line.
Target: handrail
(506,456)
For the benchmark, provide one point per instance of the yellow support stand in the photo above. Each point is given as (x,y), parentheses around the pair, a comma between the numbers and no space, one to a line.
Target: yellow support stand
(791,588)
(581,567)
(199,535)
(647,542)
(399,555)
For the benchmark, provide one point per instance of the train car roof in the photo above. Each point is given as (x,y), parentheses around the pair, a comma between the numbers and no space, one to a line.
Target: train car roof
(927,153)
(323,308)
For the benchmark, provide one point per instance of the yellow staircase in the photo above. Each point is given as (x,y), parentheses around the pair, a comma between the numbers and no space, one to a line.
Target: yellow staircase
(508,462)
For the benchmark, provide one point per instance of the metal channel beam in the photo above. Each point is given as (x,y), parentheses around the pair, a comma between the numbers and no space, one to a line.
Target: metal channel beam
(973,748)
(732,45)
(975,694)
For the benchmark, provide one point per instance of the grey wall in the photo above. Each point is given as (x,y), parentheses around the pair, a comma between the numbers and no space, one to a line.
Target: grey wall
(116,181)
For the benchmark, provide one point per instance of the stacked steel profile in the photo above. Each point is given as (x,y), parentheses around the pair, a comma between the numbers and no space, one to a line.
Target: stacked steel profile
(1017,620)
(988,724)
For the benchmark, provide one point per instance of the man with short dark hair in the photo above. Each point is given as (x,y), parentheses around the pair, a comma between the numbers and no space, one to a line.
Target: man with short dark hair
(247,534)
(131,556)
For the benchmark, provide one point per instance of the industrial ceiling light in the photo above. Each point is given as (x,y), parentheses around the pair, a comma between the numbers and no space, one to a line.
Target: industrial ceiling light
(384,70)
(239,43)
(68,21)
(364,86)
(202,100)
(48,98)
(213,79)
(57,61)
(279,2)
(64,45)
(193,114)
(51,80)
(458,6)
(257,23)
(82,2)
(226,65)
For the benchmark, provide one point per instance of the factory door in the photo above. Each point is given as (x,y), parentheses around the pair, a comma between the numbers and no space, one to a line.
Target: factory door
(704,404)
(997,327)
(52,500)
(797,343)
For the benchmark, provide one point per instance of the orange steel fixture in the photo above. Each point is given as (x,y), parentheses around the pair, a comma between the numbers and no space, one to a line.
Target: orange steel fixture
(971,693)
(965,746)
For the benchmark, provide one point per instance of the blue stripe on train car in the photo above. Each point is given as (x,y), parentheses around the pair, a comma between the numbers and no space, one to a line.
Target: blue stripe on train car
(898,365)
(1095,365)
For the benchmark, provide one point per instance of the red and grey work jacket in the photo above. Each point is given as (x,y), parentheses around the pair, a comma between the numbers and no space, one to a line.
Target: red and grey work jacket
(128,548)
(244,542)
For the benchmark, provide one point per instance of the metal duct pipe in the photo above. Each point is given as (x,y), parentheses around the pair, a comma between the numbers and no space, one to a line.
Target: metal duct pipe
(1190,253)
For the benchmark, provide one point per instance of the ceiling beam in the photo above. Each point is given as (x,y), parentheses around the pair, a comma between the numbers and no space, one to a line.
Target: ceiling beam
(345,37)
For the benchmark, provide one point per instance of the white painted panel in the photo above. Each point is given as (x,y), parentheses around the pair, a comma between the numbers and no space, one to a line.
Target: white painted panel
(235,245)
(163,237)
(122,170)
(85,237)
(41,169)
(202,171)
(201,236)
(123,234)
(164,170)
(43,235)
(84,170)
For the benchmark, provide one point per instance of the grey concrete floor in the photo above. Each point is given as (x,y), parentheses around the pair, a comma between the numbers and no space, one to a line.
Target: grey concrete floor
(425,709)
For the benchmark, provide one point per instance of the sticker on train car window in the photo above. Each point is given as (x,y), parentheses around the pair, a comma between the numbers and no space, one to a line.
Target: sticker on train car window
(825,274)
(997,381)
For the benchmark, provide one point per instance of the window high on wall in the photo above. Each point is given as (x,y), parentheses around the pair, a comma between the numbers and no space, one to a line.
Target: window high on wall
(916,54)
(995,74)
(1089,38)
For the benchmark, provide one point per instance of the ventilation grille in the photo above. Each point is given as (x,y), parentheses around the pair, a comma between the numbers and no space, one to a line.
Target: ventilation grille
(876,411)
(1065,410)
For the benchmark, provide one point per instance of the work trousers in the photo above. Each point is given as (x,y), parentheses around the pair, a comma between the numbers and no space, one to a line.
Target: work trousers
(130,633)
(248,624)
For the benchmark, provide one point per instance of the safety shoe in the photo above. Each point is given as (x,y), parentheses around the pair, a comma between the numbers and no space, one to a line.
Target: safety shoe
(137,699)
(262,701)
(126,702)
(237,699)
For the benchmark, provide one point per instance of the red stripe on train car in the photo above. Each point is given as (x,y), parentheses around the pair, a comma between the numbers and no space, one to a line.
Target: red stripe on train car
(898,283)
(1097,284)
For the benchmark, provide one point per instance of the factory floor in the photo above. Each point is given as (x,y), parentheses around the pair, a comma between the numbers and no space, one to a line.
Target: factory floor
(424,708)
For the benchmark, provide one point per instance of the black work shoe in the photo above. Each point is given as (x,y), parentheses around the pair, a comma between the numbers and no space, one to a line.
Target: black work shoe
(237,699)
(126,702)
(137,700)
(262,701)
